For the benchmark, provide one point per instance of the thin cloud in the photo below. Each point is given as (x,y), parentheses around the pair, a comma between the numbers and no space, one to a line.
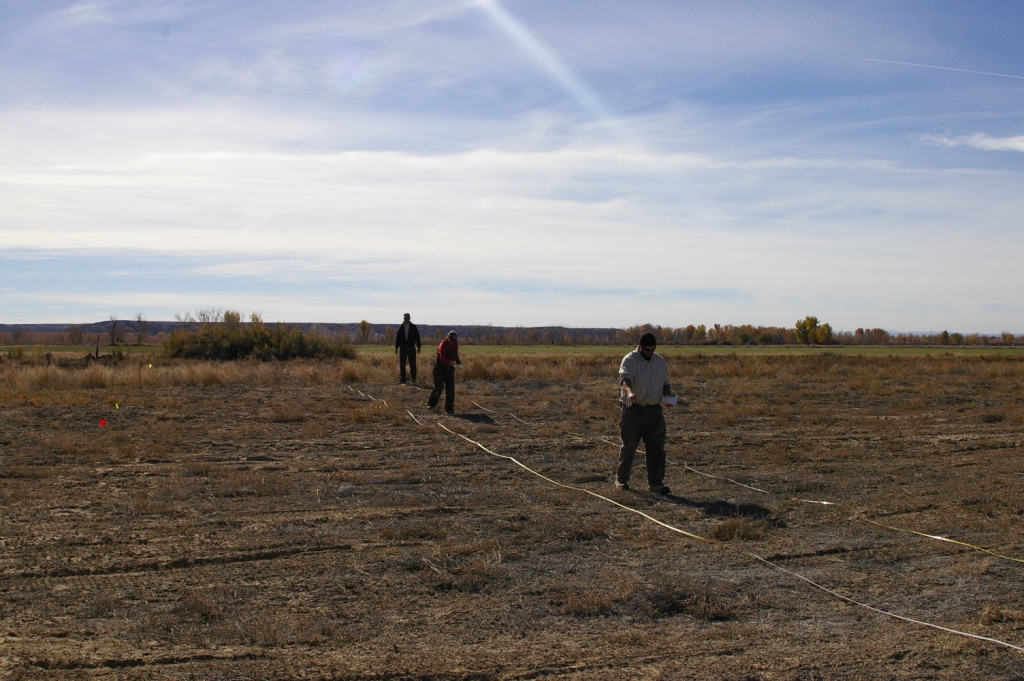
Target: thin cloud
(978,140)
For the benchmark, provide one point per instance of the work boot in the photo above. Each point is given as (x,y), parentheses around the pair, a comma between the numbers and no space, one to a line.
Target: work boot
(622,485)
(660,489)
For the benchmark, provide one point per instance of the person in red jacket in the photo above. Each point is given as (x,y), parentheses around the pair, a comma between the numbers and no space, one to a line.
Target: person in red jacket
(444,373)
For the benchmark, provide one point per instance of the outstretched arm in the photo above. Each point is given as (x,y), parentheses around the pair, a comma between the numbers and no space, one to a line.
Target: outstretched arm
(627,386)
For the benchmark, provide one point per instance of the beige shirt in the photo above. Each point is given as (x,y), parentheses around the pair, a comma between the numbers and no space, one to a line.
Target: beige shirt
(648,377)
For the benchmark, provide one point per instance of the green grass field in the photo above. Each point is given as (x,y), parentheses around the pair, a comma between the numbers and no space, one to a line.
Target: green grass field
(470,350)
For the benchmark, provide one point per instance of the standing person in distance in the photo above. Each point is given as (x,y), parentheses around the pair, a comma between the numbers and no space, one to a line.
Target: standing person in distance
(407,346)
(444,372)
(643,378)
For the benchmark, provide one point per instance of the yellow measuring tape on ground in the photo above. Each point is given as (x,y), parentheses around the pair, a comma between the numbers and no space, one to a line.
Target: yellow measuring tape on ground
(719,477)
(945,539)
(764,561)
(581,489)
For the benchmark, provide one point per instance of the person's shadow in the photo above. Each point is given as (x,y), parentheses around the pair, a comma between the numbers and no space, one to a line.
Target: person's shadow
(476,418)
(724,509)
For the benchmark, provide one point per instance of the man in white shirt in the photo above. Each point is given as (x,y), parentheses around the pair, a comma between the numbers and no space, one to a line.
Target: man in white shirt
(643,378)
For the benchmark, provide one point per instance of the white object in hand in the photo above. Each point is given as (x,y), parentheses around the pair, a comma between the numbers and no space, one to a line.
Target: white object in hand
(669,400)
(460,366)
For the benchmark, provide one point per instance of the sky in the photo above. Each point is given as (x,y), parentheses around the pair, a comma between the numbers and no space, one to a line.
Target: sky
(514,162)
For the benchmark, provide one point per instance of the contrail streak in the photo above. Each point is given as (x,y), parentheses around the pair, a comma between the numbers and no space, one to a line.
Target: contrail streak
(544,57)
(944,68)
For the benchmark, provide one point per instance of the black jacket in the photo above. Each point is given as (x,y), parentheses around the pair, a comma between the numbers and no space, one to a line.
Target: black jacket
(413,339)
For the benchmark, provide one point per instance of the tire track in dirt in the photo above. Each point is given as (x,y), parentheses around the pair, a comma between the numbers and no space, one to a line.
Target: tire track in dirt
(565,669)
(177,564)
(376,513)
(113,663)
(819,553)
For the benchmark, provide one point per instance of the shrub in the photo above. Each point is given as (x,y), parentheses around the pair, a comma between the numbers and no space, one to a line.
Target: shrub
(233,341)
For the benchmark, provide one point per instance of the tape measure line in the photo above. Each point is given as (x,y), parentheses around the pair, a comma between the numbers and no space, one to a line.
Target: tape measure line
(945,539)
(847,599)
(764,561)
(367,396)
(579,489)
(639,451)
(716,477)
(496,412)
(826,503)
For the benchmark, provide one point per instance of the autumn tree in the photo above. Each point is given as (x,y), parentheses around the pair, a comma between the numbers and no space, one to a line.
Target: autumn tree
(807,331)
(823,334)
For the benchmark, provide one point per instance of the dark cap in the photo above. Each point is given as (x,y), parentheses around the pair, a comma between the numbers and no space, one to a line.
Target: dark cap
(647,339)
(406,314)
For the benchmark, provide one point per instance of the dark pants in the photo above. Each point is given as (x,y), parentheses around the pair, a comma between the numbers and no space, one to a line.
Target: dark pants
(405,353)
(648,424)
(444,379)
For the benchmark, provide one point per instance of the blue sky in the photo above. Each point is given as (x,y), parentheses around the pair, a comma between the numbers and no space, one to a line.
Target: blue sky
(523,162)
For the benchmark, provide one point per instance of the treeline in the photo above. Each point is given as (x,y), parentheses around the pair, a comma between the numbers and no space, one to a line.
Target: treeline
(807,331)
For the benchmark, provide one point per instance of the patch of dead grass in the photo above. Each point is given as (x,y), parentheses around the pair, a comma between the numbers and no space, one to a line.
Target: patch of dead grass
(671,598)
(738,528)
(581,603)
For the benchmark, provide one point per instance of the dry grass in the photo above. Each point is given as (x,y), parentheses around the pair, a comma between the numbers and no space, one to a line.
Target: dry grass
(681,598)
(587,604)
(287,414)
(271,511)
(998,615)
(737,528)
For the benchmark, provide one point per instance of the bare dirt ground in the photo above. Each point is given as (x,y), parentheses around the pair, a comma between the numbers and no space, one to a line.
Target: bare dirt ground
(255,521)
